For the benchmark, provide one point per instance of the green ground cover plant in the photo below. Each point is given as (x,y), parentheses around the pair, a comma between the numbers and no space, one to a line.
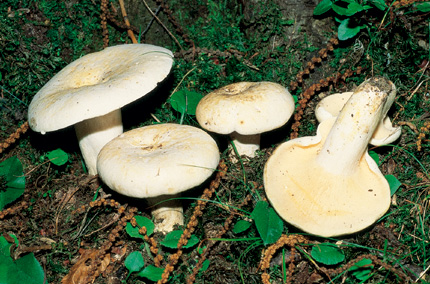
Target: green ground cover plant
(59,215)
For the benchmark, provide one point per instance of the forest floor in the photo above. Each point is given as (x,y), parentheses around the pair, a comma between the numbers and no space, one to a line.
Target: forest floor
(61,225)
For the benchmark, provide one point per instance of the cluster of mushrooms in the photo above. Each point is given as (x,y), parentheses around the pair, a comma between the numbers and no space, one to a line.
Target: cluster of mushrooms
(326,185)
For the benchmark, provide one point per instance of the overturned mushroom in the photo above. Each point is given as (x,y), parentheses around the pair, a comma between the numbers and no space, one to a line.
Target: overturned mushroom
(158,162)
(245,110)
(331,105)
(327,184)
(90,91)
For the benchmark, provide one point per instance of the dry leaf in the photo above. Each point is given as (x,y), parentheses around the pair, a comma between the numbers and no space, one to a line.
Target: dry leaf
(79,273)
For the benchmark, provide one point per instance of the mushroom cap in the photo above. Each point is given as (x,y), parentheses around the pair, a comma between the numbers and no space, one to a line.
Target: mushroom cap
(331,105)
(320,202)
(156,160)
(98,83)
(247,108)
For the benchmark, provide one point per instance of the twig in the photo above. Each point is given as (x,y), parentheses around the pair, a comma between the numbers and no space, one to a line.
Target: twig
(60,207)
(150,22)
(161,23)
(176,88)
(127,22)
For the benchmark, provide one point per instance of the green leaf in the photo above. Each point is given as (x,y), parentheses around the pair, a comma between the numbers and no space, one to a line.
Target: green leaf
(205,265)
(172,239)
(393,182)
(141,222)
(322,7)
(352,9)
(134,261)
(5,245)
(362,269)
(12,173)
(345,32)
(24,270)
(58,157)
(374,156)
(152,273)
(185,101)
(7,266)
(30,270)
(241,226)
(201,249)
(423,7)
(380,4)
(328,254)
(268,223)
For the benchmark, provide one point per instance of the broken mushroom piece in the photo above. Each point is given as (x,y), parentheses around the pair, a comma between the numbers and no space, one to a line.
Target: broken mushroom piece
(158,162)
(245,110)
(327,184)
(331,105)
(90,91)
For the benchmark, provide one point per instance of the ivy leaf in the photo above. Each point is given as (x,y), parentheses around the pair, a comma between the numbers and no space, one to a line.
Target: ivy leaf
(185,101)
(172,239)
(423,7)
(345,32)
(327,253)
(323,7)
(12,174)
(205,265)
(374,156)
(5,244)
(393,182)
(58,157)
(362,269)
(141,222)
(380,4)
(268,223)
(134,261)
(152,273)
(241,226)
(352,8)
(24,270)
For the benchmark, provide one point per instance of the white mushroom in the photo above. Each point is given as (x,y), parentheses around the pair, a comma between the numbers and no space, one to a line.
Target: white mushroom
(158,162)
(327,184)
(331,105)
(245,110)
(90,91)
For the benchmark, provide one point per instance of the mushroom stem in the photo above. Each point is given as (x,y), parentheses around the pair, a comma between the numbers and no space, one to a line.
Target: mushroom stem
(349,137)
(94,133)
(166,214)
(245,144)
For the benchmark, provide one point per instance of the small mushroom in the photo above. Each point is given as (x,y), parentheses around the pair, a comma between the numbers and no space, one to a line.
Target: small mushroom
(90,91)
(245,110)
(158,162)
(327,184)
(330,106)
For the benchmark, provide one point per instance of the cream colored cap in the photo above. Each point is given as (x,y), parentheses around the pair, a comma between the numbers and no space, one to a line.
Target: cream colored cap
(246,108)
(327,184)
(162,159)
(98,83)
(317,201)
